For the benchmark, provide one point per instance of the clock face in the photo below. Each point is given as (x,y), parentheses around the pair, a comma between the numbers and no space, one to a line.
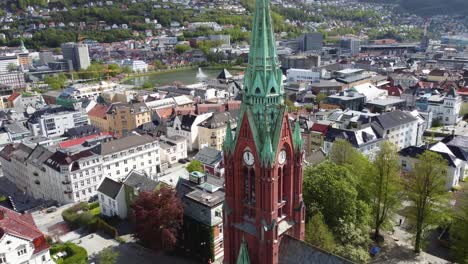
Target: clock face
(248,158)
(282,157)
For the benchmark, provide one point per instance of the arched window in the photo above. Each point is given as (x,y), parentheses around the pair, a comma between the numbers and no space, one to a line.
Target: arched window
(257,91)
(272,91)
(252,187)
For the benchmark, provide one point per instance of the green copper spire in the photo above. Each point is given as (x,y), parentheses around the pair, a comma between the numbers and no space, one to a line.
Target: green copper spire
(263,77)
(243,257)
(267,155)
(228,145)
(297,139)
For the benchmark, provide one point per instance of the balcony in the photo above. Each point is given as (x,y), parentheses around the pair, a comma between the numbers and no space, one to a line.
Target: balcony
(67,191)
(36,173)
(65,182)
(37,182)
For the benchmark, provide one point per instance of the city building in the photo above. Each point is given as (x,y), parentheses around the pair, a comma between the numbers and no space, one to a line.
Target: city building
(212,160)
(455,166)
(400,128)
(301,75)
(303,61)
(444,107)
(365,140)
(203,198)
(186,126)
(10,81)
(132,152)
(53,121)
(173,149)
(313,42)
(80,91)
(98,117)
(20,239)
(347,100)
(8,63)
(212,131)
(135,65)
(351,45)
(77,55)
(123,118)
(112,200)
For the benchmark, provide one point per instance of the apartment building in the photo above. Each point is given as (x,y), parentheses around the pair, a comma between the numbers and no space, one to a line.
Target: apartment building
(98,117)
(53,121)
(212,131)
(398,127)
(132,152)
(123,118)
(73,174)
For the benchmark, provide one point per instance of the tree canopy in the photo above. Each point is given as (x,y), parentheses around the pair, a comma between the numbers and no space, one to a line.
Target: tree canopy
(158,218)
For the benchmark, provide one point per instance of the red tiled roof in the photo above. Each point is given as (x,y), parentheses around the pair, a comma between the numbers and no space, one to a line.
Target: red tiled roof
(13,96)
(394,90)
(463,91)
(165,113)
(98,111)
(79,141)
(22,225)
(321,128)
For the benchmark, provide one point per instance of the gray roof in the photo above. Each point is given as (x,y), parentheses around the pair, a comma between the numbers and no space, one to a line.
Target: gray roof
(292,251)
(393,119)
(123,144)
(16,128)
(209,156)
(140,182)
(110,187)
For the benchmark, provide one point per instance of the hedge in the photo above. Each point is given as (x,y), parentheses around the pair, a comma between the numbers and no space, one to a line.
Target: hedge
(88,218)
(75,253)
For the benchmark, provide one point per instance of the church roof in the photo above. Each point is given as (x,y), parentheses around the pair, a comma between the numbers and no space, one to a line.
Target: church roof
(224,74)
(292,251)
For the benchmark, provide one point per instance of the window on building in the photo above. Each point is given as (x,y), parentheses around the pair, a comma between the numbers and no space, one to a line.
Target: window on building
(77,195)
(43,258)
(2,259)
(21,250)
(134,166)
(118,171)
(82,183)
(83,192)
(116,164)
(125,161)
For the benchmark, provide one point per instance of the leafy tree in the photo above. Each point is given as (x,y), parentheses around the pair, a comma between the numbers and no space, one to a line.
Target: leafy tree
(319,99)
(290,105)
(318,234)
(56,82)
(331,190)
(385,185)
(158,217)
(427,192)
(12,67)
(108,256)
(459,234)
(181,48)
(195,165)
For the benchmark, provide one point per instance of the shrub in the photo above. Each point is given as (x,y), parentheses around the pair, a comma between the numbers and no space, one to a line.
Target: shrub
(75,253)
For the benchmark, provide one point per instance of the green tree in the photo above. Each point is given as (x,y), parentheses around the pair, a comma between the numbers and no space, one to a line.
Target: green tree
(56,82)
(108,256)
(318,234)
(12,67)
(181,48)
(459,233)
(290,105)
(320,97)
(427,192)
(385,185)
(195,165)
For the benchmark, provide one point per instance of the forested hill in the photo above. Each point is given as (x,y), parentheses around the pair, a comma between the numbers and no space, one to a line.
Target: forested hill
(430,7)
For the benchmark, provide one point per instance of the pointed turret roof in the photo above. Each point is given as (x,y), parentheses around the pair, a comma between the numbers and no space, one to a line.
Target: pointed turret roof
(243,257)
(297,139)
(228,140)
(224,75)
(452,92)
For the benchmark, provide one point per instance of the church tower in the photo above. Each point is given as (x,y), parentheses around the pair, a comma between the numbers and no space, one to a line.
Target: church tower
(263,162)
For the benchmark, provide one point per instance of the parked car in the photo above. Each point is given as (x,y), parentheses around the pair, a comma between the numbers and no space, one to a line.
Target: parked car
(182,161)
(51,209)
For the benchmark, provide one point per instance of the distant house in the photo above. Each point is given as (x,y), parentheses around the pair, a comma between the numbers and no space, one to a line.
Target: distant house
(186,126)
(212,160)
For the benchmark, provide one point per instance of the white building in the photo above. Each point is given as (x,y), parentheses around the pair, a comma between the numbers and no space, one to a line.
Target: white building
(20,240)
(6,61)
(172,150)
(90,91)
(73,174)
(54,121)
(400,128)
(365,140)
(455,166)
(301,75)
(111,195)
(186,126)
(446,108)
(136,65)
(132,152)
